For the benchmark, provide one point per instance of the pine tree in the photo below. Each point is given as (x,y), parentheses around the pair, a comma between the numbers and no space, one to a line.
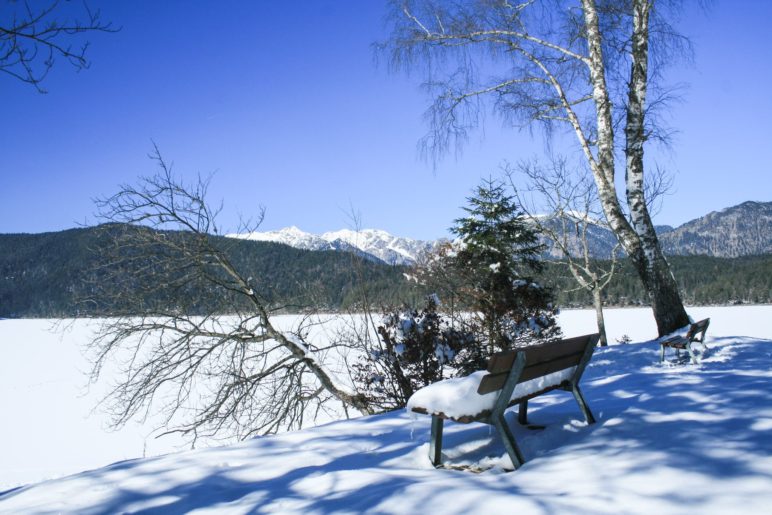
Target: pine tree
(497,259)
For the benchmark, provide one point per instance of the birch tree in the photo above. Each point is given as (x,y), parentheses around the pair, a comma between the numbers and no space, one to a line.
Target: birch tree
(587,66)
(168,283)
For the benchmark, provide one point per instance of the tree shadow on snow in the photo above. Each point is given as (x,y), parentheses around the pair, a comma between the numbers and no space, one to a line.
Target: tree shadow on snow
(687,418)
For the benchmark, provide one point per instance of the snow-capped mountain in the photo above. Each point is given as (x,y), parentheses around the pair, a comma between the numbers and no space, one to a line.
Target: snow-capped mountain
(373,243)
(735,231)
(293,237)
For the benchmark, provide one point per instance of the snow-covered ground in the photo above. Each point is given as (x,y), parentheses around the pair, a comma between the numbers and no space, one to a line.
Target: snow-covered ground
(669,439)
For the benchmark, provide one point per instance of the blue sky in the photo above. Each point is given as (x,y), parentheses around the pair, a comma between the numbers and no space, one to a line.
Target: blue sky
(285,104)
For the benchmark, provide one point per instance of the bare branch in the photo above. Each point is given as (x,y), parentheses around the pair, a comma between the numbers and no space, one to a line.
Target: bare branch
(191,332)
(572,210)
(31,40)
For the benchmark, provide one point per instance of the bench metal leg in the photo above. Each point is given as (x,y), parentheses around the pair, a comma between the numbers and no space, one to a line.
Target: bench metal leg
(691,353)
(509,441)
(522,413)
(582,404)
(435,444)
(662,354)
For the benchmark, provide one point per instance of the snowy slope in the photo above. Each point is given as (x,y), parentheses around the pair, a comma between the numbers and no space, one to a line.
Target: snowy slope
(671,438)
(375,243)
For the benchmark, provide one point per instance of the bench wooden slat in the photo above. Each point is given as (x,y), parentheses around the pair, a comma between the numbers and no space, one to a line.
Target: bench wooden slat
(494,382)
(502,361)
(696,328)
(676,343)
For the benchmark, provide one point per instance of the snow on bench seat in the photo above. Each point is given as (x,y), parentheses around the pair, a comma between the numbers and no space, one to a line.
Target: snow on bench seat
(457,398)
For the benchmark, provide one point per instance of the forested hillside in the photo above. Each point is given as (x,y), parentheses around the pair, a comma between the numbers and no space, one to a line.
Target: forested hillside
(53,274)
(703,280)
(742,230)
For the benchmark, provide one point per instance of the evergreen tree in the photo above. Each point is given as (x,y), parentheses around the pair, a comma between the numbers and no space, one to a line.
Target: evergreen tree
(497,259)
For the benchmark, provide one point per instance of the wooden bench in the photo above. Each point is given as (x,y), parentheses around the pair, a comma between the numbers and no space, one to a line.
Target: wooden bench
(696,333)
(517,375)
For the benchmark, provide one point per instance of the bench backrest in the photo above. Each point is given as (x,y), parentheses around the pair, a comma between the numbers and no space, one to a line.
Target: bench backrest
(698,328)
(540,360)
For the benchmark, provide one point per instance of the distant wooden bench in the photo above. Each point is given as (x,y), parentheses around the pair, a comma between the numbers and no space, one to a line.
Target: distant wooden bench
(517,375)
(696,333)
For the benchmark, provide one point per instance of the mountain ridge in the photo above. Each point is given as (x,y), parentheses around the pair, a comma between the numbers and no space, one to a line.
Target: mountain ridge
(369,243)
(741,230)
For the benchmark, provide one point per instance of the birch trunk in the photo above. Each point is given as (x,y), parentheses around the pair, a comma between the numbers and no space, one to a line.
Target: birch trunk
(652,267)
(638,238)
(597,302)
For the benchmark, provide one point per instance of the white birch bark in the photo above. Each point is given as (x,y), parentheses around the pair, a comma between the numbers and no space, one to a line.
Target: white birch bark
(604,174)
(639,239)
